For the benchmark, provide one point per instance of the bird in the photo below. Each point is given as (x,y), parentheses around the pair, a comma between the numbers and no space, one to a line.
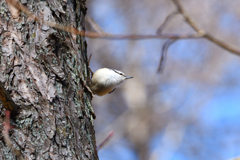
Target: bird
(106,80)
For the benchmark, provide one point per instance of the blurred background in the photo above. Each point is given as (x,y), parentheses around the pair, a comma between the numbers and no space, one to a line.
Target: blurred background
(190,111)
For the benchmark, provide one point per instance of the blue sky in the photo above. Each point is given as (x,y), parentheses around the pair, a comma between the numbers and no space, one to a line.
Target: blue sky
(220,114)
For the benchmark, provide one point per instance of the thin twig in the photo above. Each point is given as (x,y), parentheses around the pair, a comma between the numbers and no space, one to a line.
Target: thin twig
(166,21)
(164,54)
(94,24)
(110,135)
(187,18)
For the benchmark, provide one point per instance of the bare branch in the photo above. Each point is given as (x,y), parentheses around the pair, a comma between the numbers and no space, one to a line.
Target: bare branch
(187,18)
(95,34)
(166,45)
(110,135)
(164,24)
(222,44)
(94,24)
(203,33)
(200,33)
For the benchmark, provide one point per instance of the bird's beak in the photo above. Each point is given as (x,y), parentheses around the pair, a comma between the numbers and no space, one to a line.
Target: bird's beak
(128,77)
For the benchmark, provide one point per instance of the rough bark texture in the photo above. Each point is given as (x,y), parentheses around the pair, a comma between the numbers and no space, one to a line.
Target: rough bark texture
(43,69)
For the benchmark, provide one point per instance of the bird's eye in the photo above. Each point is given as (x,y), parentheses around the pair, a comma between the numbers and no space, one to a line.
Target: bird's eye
(119,73)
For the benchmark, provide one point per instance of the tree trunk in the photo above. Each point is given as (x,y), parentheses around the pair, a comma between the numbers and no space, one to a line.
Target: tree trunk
(46,72)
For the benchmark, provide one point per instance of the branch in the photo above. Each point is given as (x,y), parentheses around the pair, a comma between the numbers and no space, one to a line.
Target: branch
(110,135)
(206,35)
(90,34)
(200,33)
(94,24)
(164,54)
(167,19)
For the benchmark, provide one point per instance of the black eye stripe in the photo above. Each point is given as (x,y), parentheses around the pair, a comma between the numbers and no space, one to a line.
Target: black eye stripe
(118,72)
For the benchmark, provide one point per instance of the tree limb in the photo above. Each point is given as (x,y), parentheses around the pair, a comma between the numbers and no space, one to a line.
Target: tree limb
(200,33)
(206,35)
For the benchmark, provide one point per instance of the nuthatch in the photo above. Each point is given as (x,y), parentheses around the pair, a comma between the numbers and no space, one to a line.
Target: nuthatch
(106,80)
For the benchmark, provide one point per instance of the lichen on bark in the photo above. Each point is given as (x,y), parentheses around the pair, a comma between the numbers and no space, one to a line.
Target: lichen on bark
(43,69)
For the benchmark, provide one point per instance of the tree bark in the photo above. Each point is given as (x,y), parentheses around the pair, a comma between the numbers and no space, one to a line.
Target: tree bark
(46,72)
